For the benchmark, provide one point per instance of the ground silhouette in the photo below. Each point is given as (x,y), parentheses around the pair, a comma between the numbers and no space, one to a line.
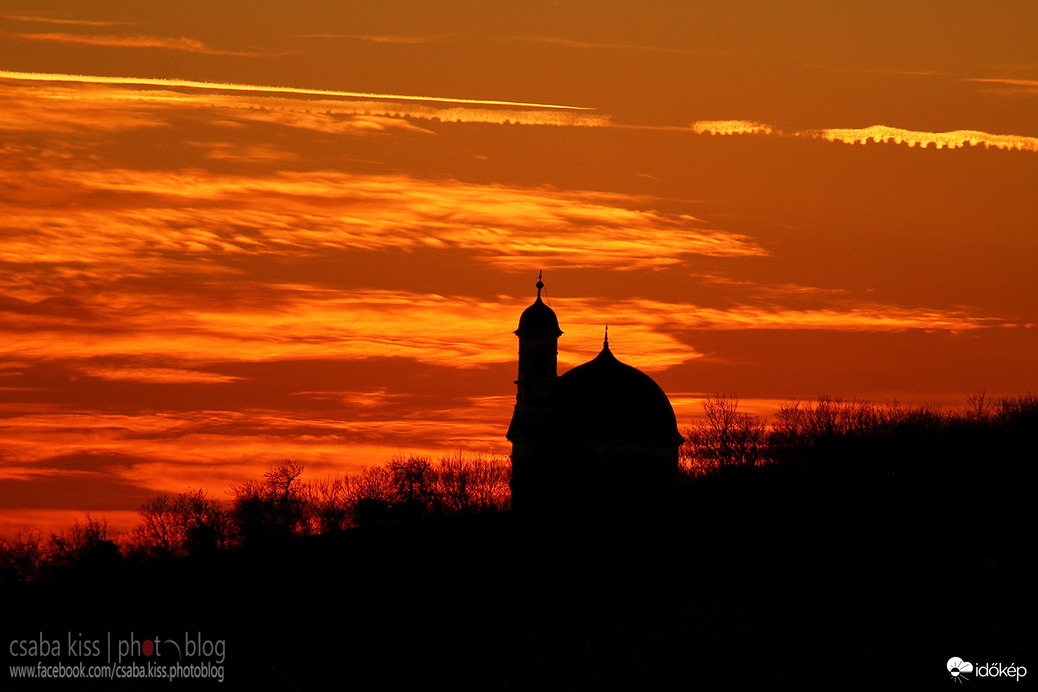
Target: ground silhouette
(866,547)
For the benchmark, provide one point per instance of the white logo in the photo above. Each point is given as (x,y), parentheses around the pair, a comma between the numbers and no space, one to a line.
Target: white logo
(958,668)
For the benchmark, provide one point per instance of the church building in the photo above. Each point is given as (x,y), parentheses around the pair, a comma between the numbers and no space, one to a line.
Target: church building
(602,436)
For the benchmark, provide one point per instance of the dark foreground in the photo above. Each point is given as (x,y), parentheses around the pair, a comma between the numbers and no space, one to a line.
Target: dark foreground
(743,583)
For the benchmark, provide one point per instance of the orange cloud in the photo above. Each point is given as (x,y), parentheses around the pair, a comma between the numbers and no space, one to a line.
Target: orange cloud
(1027,86)
(950,140)
(51,20)
(50,109)
(157,375)
(407,40)
(111,101)
(301,322)
(220,86)
(507,227)
(863,317)
(184,44)
(584,45)
(877,134)
(732,127)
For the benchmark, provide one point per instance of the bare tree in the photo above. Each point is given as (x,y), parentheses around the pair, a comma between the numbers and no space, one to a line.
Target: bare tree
(272,509)
(329,504)
(177,525)
(21,556)
(86,544)
(725,439)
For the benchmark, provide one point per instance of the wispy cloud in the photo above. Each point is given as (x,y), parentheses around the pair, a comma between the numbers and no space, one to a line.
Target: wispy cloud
(64,22)
(507,227)
(589,45)
(390,39)
(122,103)
(50,109)
(306,322)
(878,134)
(951,140)
(254,88)
(732,127)
(1015,86)
(156,375)
(888,71)
(183,44)
(861,317)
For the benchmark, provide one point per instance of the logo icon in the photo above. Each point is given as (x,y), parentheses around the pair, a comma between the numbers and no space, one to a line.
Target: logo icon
(958,668)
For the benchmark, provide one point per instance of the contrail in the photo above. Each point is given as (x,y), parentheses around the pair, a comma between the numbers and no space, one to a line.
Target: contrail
(217,86)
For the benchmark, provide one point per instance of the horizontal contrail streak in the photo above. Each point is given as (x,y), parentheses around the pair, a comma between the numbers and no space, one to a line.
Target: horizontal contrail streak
(217,86)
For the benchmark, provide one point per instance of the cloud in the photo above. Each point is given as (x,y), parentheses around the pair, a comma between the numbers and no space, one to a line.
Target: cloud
(305,322)
(1015,86)
(586,45)
(950,140)
(228,151)
(858,70)
(189,45)
(405,40)
(157,375)
(51,20)
(861,317)
(254,88)
(148,220)
(329,124)
(140,102)
(732,127)
(876,134)
(53,109)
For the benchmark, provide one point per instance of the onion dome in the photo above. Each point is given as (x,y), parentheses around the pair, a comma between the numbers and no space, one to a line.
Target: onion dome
(538,318)
(610,401)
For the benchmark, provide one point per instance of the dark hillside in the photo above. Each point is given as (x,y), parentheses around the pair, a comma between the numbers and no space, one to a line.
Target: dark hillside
(849,557)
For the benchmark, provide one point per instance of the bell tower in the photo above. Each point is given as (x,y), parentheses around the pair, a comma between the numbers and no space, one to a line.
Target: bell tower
(538,334)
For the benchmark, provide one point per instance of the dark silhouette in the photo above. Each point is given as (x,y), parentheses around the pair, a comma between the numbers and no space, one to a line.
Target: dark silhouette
(188,523)
(602,435)
(271,510)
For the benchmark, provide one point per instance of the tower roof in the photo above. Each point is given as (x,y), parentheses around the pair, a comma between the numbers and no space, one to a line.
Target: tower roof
(538,318)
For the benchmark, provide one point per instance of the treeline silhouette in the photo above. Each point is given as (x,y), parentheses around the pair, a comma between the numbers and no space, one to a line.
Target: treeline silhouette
(897,478)
(839,543)
(260,512)
(831,435)
(846,449)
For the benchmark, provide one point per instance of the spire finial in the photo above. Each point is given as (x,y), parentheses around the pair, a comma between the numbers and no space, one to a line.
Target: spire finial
(605,342)
(540,284)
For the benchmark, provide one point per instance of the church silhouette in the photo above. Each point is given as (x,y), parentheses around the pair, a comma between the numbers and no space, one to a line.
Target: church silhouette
(601,437)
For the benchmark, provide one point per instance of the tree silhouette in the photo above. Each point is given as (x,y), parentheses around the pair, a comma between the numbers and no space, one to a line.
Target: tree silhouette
(86,545)
(475,485)
(725,439)
(188,523)
(21,556)
(414,483)
(272,509)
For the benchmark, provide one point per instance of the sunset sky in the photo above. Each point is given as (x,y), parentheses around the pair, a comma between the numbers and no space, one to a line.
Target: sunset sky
(233,233)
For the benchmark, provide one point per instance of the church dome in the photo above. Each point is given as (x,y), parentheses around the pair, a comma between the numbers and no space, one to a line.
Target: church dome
(539,318)
(611,401)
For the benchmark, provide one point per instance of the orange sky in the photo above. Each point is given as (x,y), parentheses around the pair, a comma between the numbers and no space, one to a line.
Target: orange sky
(238,233)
